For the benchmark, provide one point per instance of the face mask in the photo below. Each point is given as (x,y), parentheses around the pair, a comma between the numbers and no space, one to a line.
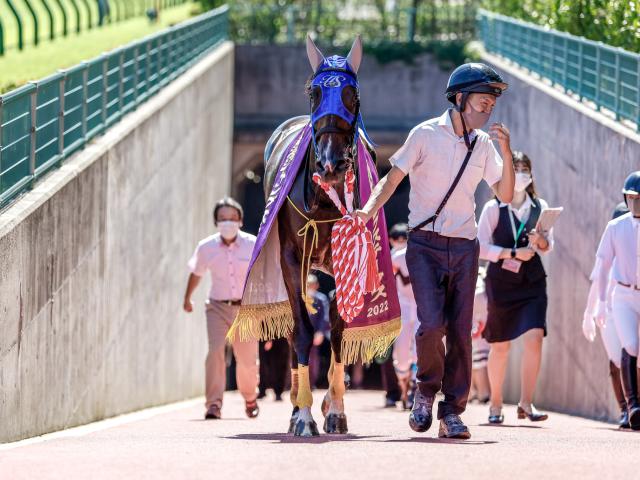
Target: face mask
(475,119)
(634,206)
(523,180)
(228,229)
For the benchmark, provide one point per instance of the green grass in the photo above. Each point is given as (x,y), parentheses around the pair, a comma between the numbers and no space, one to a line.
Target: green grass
(10,25)
(33,63)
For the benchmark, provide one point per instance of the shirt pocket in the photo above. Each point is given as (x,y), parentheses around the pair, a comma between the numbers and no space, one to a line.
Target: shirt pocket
(472,177)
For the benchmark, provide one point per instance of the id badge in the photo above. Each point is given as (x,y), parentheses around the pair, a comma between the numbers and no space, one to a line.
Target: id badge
(511,264)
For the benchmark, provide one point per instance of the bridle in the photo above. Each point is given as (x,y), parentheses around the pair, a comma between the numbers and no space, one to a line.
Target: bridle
(330,78)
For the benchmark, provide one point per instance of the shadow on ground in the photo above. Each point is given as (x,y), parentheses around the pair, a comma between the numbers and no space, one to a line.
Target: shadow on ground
(288,438)
(451,441)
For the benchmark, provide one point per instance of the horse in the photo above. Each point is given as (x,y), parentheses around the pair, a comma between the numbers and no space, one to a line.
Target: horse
(335,104)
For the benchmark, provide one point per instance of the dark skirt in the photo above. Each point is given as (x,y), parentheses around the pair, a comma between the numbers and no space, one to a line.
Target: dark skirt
(514,309)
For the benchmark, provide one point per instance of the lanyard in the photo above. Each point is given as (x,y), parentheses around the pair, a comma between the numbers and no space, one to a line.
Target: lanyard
(516,235)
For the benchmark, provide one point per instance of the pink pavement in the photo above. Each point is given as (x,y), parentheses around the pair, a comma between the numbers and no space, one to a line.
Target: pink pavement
(180,445)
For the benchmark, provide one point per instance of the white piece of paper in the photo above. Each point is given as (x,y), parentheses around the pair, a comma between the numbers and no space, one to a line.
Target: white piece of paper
(548,218)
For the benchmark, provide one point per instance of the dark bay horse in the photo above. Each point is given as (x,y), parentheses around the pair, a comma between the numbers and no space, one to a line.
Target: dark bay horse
(334,100)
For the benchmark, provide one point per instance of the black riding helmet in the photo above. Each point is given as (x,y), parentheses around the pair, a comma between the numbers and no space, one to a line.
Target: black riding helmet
(474,78)
(631,185)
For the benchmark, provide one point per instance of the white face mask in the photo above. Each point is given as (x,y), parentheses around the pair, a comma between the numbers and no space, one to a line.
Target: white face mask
(523,180)
(228,229)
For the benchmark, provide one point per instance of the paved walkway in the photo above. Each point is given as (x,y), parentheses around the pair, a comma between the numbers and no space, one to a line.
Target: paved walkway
(175,443)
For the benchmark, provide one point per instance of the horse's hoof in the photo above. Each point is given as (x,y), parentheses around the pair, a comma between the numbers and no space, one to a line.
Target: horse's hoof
(336,423)
(306,429)
(326,403)
(293,420)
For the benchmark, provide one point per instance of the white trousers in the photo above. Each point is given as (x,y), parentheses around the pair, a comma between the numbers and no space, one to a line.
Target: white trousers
(404,349)
(610,340)
(625,308)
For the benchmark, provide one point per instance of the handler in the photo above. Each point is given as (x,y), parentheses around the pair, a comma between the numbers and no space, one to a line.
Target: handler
(446,158)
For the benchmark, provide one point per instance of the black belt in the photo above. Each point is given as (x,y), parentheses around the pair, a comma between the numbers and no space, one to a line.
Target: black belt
(229,302)
(635,287)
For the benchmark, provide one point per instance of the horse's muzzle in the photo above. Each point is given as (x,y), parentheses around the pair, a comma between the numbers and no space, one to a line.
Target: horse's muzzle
(331,172)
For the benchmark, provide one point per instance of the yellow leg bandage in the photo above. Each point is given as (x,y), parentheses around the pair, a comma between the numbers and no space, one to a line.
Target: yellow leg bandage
(305,398)
(293,394)
(337,381)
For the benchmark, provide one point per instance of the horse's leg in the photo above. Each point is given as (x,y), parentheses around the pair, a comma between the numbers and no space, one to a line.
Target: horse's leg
(305,426)
(326,400)
(293,395)
(336,420)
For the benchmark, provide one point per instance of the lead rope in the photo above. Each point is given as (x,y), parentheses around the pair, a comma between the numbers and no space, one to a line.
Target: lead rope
(353,255)
(312,225)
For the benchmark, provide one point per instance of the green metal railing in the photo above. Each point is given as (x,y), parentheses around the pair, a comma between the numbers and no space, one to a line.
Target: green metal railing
(607,76)
(44,122)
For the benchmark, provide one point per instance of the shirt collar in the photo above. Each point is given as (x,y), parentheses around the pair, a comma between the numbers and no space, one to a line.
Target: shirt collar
(528,203)
(233,245)
(445,121)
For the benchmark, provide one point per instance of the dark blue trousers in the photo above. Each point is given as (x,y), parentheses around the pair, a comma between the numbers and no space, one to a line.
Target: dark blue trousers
(443,273)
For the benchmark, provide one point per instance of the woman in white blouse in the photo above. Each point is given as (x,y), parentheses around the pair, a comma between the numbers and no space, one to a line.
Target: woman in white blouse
(516,287)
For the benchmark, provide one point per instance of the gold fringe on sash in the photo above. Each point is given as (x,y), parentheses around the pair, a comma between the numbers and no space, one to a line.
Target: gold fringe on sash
(367,343)
(262,322)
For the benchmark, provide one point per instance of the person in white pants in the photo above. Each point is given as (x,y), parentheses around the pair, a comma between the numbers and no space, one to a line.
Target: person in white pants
(608,333)
(619,256)
(404,348)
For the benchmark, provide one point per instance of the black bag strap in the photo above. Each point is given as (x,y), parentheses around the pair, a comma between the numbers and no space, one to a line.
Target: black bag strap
(432,219)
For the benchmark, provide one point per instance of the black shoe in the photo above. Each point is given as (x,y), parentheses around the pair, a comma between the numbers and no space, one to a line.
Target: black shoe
(278,397)
(261,395)
(534,415)
(389,403)
(213,413)
(451,426)
(624,420)
(634,418)
(421,417)
(497,418)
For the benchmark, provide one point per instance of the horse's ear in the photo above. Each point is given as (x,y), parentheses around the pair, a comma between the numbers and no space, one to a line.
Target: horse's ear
(355,54)
(314,54)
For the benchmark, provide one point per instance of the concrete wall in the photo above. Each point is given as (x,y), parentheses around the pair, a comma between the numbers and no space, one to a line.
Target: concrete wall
(580,160)
(93,263)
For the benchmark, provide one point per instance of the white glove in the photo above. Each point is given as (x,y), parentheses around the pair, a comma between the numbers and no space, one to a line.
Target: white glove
(589,326)
(601,314)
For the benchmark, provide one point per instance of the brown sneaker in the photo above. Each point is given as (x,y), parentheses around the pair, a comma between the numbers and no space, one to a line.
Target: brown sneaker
(213,413)
(251,409)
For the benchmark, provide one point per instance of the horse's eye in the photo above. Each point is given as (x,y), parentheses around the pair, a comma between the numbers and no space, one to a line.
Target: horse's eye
(349,98)
(316,97)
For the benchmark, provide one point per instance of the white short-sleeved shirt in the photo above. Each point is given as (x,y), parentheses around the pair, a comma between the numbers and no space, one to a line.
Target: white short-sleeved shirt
(489,221)
(227,265)
(620,248)
(432,156)
(399,261)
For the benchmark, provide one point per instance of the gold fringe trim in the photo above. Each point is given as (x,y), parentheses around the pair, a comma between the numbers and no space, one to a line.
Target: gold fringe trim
(262,322)
(367,343)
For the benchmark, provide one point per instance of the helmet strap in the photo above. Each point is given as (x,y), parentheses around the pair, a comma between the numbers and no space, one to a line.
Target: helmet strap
(460,108)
